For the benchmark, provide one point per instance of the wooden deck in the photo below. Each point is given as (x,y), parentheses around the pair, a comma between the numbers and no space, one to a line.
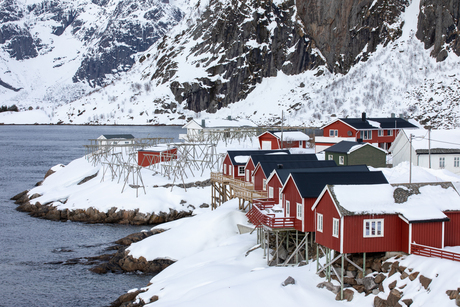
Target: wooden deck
(225,188)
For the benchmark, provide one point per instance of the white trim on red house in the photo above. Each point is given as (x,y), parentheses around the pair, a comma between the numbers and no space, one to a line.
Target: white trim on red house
(326,188)
(338,119)
(443,229)
(341,233)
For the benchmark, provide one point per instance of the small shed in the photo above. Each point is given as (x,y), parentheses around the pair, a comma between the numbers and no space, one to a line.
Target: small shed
(283,139)
(157,154)
(355,153)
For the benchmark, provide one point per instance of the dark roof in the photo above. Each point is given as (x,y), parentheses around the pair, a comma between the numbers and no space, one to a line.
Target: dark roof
(283,174)
(269,166)
(342,147)
(385,123)
(283,158)
(311,184)
(118,136)
(438,151)
(233,153)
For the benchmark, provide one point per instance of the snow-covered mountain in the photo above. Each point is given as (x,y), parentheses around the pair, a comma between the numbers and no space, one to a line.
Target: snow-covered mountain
(314,60)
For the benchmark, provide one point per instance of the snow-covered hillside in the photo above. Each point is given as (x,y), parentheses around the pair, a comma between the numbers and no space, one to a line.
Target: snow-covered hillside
(193,68)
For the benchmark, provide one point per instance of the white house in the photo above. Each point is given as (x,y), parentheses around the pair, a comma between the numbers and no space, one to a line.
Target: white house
(115,139)
(439,149)
(196,128)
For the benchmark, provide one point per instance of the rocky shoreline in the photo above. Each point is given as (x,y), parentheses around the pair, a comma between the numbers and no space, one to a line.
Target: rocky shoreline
(92,215)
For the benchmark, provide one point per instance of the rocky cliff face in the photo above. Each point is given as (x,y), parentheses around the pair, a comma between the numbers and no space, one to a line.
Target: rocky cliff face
(439,27)
(238,43)
(347,31)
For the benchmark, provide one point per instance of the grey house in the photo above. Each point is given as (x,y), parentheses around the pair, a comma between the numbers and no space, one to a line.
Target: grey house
(356,153)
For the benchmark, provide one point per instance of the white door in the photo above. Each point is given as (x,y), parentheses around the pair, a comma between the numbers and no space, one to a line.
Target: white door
(266,145)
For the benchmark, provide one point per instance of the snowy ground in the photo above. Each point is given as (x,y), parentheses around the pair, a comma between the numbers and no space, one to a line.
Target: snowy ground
(211,264)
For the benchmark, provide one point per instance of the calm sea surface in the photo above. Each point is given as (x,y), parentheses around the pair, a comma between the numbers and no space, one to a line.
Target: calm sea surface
(28,244)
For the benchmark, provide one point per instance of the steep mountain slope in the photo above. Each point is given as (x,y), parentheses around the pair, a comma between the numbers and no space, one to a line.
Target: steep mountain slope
(312,59)
(56,50)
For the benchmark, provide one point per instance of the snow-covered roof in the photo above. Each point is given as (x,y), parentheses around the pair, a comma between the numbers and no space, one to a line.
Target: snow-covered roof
(348,147)
(292,136)
(445,139)
(116,136)
(415,202)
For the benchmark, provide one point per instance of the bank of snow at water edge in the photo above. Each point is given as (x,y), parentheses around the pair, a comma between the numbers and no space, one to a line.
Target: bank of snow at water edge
(212,269)
(24,118)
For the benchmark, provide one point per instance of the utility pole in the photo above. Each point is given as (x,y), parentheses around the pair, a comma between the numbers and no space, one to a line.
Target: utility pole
(429,147)
(410,157)
(282,125)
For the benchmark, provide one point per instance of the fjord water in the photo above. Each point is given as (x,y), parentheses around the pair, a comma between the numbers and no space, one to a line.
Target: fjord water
(29,246)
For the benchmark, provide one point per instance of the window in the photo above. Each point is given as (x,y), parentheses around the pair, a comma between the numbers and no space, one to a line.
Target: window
(299,211)
(241,170)
(230,170)
(288,208)
(341,160)
(456,162)
(280,195)
(442,162)
(335,227)
(301,144)
(381,132)
(333,132)
(330,157)
(264,184)
(248,177)
(373,228)
(270,192)
(366,134)
(225,169)
(319,222)
(390,132)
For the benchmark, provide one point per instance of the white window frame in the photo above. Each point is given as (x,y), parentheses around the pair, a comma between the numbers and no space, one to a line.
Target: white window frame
(456,161)
(299,212)
(366,134)
(270,192)
(367,228)
(225,169)
(264,184)
(341,160)
(335,227)
(288,208)
(330,157)
(381,132)
(442,162)
(319,222)
(333,132)
(241,170)
(230,169)
(390,132)
(280,195)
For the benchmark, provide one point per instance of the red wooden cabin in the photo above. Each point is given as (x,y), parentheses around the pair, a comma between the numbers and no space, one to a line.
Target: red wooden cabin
(275,155)
(235,161)
(291,139)
(302,189)
(153,155)
(381,218)
(381,131)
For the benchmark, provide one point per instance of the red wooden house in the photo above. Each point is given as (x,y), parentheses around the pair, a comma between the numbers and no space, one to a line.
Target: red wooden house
(302,189)
(153,155)
(381,131)
(290,139)
(235,161)
(278,177)
(382,218)
(277,158)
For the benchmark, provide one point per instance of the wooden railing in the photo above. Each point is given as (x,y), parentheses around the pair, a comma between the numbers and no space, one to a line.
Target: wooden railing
(242,189)
(258,218)
(427,251)
(264,203)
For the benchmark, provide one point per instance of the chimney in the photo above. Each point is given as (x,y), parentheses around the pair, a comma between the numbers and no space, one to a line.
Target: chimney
(279,166)
(393,115)
(203,123)
(363,116)
(229,117)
